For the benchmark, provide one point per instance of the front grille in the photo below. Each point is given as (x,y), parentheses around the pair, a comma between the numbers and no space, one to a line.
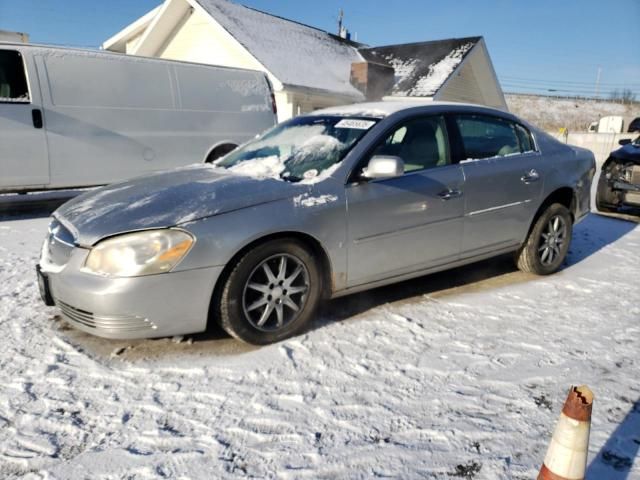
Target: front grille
(116,323)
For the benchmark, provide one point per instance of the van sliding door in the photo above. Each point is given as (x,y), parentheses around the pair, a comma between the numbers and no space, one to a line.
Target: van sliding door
(24,162)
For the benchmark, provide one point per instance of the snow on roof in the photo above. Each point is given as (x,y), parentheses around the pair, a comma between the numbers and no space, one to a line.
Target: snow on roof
(421,68)
(298,55)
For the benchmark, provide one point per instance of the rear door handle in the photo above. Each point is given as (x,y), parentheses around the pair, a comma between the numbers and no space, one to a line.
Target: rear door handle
(531,176)
(449,193)
(36,115)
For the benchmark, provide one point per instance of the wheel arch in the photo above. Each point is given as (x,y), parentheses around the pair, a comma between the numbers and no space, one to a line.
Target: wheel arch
(565,196)
(312,243)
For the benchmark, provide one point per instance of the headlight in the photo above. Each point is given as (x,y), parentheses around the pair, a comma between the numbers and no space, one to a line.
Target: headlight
(140,253)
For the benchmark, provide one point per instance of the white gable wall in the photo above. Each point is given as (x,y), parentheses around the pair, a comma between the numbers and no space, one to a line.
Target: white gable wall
(202,40)
(474,81)
(132,43)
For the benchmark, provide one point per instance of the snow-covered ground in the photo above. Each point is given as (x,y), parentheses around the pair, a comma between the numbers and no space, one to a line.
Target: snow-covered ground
(460,374)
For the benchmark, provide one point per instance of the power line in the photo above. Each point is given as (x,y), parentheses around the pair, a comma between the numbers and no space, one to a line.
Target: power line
(567,82)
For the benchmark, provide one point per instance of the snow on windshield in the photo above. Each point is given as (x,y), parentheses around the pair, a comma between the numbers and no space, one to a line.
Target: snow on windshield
(305,150)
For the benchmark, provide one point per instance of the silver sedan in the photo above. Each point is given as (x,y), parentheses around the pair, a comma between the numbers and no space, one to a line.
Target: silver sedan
(324,205)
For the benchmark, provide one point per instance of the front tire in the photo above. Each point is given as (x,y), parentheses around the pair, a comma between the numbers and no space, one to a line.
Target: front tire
(606,199)
(271,294)
(548,242)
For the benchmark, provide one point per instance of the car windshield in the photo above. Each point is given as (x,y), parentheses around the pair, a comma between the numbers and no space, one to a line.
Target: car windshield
(306,149)
(636,141)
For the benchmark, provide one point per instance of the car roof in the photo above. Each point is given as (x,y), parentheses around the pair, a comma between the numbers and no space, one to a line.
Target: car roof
(388,107)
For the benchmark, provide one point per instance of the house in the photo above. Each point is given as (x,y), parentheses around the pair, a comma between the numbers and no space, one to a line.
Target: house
(454,70)
(308,67)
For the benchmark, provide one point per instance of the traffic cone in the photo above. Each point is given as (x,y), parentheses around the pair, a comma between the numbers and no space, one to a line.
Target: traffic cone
(566,457)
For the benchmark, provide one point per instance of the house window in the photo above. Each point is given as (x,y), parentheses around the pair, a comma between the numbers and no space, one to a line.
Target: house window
(13,81)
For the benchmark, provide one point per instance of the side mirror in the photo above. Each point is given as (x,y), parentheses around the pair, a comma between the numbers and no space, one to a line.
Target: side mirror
(383,166)
(624,141)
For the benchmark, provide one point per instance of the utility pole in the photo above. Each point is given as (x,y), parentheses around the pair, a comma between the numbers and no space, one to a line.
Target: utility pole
(598,82)
(340,20)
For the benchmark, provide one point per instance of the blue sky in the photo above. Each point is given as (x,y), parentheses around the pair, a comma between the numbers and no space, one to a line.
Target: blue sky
(535,45)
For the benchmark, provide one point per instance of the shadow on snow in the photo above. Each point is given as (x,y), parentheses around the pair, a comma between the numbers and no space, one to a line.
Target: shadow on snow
(615,459)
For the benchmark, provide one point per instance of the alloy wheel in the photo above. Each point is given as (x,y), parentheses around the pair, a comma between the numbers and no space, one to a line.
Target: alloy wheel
(275,292)
(552,240)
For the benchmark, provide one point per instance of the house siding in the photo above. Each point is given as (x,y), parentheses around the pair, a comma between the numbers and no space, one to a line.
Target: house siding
(200,40)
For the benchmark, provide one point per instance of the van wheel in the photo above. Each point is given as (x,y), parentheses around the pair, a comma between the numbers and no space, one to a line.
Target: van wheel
(220,151)
(548,242)
(271,294)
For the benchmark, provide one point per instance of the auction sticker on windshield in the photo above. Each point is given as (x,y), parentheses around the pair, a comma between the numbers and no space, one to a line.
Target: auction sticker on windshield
(355,124)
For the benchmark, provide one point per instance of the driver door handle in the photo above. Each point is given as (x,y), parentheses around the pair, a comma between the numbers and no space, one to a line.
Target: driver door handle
(531,176)
(449,193)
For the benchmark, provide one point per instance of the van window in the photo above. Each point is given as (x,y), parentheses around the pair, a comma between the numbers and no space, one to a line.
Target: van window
(484,136)
(13,81)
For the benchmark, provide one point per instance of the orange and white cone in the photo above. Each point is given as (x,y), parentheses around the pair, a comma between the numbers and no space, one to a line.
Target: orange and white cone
(566,457)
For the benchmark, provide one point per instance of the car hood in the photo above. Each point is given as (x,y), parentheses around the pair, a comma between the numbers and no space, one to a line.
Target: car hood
(629,152)
(167,199)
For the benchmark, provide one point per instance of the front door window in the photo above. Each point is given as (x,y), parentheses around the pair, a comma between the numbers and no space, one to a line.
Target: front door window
(13,81)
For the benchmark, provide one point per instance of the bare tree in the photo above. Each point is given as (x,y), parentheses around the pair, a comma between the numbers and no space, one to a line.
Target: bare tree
(624,95)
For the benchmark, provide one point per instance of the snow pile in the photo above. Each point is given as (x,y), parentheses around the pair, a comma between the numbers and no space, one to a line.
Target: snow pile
(313,156)
(460,374)
(261,167)
(21,99)
(306,200)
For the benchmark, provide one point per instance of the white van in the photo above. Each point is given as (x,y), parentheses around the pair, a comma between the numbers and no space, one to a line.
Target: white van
(76,118)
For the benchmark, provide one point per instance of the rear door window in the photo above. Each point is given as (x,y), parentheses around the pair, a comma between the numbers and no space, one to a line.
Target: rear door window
(486,137)
(526,141)
(13,80)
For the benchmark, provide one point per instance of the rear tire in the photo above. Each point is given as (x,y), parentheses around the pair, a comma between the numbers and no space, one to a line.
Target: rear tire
(548,242)
(271,294)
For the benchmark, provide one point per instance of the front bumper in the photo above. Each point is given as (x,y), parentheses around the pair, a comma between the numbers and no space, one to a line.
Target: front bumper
(166,304)
(631,193)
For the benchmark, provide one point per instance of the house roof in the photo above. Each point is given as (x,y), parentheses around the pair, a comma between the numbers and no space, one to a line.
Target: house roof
(296,54)
(421,68)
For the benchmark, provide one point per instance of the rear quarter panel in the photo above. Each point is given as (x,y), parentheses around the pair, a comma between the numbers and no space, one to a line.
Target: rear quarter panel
(566,166)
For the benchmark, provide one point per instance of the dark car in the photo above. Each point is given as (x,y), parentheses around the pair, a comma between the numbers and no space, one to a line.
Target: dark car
(634,126)
(619,184)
